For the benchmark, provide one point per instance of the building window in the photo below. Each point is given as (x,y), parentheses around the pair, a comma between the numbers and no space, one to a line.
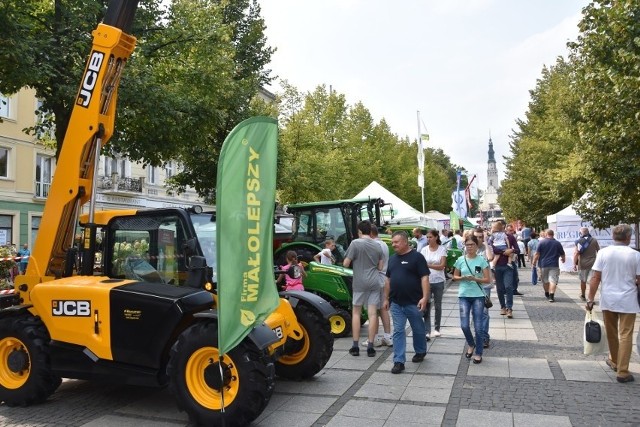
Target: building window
(170,169)
(118,166)
(4,162)
(43,175)
(5,106)
(6,229)
(35,226)
(152,174)
(45,130)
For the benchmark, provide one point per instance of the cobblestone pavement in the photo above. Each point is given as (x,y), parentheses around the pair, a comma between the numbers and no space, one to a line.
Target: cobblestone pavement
(533,374)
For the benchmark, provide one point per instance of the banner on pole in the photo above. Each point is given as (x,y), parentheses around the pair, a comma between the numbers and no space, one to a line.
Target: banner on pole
(245,197)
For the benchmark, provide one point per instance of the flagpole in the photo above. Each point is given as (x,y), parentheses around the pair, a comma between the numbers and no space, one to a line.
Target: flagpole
(420,162)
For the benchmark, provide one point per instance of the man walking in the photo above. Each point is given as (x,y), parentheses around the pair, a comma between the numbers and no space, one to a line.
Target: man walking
(367,259)
(617,268)
(381,339)
(406,293)
(547,255)
(514,260)
(583,258)
(503,246)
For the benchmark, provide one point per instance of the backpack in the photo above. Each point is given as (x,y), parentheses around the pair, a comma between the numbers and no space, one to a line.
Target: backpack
(583,243)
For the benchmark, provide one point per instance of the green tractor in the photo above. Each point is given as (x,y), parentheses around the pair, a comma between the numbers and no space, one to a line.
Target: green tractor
(314,223)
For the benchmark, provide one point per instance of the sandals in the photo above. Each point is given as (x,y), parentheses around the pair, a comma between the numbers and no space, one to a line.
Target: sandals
(477,361)
(469,352)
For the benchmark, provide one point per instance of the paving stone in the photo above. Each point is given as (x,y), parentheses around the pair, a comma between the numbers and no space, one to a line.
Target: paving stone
(529,368)
(404,414)
(368,410)
(470,417)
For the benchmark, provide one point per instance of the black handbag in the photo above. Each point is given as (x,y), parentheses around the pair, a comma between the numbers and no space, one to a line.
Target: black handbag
(592,331)
(487,300)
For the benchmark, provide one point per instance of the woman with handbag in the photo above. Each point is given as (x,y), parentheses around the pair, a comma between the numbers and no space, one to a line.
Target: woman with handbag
(436,256)
(470,271)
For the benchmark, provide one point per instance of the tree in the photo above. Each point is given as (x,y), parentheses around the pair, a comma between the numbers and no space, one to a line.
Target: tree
(607,55)
(331,150)
(193,77)
(543,172)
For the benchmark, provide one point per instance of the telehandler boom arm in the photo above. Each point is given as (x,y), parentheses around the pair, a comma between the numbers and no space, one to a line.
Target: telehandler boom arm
(90,128)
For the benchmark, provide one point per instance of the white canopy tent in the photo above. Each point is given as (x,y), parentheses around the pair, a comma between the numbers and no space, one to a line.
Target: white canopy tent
(403,213)
(566,225)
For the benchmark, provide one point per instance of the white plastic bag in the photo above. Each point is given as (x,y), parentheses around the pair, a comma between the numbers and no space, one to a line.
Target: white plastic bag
(595,348)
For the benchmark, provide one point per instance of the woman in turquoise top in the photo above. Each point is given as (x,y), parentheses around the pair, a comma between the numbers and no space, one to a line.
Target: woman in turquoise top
(471,271)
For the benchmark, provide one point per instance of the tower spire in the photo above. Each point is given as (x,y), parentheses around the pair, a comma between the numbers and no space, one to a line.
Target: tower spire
(492,158)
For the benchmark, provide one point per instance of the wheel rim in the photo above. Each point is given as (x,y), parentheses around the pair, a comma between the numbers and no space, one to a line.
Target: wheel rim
(301,350)
(338,324)
(15,363)
(203,378)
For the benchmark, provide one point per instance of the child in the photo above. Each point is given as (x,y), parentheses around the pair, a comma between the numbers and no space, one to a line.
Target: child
(292,283)
(325,256)
(499,241)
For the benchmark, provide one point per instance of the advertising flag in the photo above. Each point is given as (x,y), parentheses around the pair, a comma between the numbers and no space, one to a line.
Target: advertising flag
(421,161)
(245,197)
(454,221)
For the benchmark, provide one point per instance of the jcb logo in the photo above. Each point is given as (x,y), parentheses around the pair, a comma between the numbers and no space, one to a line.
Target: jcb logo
(71,308)
(278,332)
(90,79)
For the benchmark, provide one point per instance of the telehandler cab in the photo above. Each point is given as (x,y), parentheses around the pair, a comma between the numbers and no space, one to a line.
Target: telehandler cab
(146,312)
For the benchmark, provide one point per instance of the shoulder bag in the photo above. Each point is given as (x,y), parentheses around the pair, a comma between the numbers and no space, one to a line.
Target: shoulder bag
(487,300)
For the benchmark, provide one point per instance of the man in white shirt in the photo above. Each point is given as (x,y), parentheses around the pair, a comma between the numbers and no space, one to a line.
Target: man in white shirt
(617,268)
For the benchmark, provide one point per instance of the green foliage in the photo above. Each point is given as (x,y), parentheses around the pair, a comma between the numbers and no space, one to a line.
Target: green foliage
(330,150)
(542,172)
(194,75)
(608,79)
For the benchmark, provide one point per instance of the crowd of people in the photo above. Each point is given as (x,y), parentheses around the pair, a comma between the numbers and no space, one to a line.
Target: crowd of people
(409,283)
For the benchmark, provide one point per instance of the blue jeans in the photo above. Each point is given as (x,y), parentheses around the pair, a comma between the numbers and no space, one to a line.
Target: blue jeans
(504,285)
(486,317)
(516,277)
(436,289)
(400,314)
(475,307)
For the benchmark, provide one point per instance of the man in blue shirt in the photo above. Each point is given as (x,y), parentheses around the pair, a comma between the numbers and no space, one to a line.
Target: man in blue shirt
(421,239)
(548,253)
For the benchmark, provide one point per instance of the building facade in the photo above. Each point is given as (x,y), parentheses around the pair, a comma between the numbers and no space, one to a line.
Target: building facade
(27,169)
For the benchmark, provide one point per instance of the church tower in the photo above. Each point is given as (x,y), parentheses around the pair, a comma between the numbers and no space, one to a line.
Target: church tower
(489,200)
(492,171)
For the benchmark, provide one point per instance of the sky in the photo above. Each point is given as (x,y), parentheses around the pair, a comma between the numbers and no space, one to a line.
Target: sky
(466,65)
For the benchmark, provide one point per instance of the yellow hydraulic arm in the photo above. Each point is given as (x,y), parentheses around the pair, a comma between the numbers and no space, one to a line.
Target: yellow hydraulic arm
(90,127)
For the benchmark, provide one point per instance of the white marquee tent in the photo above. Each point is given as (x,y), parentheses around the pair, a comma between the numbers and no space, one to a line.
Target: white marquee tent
(403,213)
(566,225)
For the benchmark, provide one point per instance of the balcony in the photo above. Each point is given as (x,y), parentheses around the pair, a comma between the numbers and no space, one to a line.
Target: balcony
(116,184)
(42,190)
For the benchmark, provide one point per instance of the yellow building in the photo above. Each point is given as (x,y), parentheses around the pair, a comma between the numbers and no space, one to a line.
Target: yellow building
(27,169)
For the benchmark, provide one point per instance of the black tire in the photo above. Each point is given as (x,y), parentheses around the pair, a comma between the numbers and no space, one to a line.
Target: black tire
(194,379)
(306,357)
(26,376)
(340,323)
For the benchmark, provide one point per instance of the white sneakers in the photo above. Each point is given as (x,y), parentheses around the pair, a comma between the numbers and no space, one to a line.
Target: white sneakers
(378,341)
(436,333)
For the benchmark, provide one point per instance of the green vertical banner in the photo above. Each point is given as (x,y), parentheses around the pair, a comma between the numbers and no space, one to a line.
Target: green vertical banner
(454,221)
(245,197)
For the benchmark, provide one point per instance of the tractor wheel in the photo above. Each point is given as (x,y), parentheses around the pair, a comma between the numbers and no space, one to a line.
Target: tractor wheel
(306,357)
(340,323)
(26,376)
(194,378)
